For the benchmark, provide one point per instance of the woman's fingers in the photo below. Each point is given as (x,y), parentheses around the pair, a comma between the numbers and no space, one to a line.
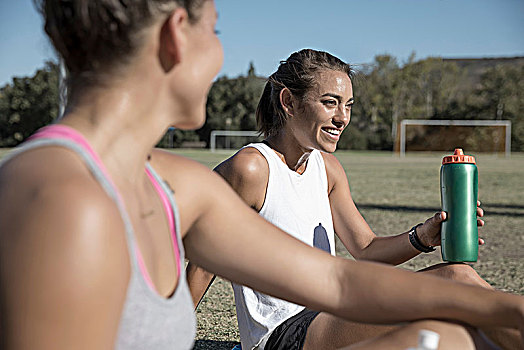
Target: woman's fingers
(480,212)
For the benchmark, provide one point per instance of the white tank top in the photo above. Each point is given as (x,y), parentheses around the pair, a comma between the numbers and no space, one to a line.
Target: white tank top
(299,205)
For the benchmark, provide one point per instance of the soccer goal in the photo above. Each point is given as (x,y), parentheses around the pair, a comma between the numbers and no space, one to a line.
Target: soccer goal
(232,139)
(445,135)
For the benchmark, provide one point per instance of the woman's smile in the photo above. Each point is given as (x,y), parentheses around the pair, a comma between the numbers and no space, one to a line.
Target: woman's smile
(332,133)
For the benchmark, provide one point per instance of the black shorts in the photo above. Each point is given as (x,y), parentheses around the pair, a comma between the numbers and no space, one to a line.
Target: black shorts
(291,334)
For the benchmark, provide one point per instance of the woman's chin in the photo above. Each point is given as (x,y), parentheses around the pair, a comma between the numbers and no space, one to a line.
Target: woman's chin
(329,148)
(191,123)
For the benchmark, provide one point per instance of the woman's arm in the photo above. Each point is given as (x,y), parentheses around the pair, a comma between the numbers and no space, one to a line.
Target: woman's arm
(226,237)
(352,229)
(357,236)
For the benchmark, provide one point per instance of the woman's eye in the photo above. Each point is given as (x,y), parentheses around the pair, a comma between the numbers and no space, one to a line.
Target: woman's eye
(330,102)
(217,32)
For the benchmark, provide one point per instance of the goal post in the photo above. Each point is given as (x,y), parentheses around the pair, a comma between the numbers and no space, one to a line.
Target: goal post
(230,133)
(506,124)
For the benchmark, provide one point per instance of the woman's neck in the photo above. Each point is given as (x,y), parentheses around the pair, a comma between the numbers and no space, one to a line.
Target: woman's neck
(290,151)
(113,121)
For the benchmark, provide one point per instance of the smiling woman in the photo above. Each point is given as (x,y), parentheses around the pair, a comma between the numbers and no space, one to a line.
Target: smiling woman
(292,180)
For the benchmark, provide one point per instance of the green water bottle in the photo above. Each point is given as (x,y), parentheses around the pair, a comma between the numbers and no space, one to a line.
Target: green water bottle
(458,193)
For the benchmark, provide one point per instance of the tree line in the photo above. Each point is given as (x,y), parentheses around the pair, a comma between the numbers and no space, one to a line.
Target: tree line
(386,92)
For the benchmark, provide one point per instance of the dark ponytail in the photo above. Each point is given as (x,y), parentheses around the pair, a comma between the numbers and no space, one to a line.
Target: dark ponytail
(267,115)
(298,74)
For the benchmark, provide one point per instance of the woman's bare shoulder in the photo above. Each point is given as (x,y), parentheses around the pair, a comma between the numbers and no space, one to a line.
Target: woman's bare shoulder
(62,235)
(48,174)
(331,161)
(247,165)
(334,170)
(51,188)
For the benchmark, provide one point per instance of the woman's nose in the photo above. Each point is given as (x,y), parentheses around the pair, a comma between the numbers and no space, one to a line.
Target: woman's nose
(342,117)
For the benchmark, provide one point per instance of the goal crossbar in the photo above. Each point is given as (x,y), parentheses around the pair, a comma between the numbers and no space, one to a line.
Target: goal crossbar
(215,133)
(505,123)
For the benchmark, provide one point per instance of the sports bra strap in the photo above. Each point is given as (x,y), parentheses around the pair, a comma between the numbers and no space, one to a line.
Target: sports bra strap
(57,131)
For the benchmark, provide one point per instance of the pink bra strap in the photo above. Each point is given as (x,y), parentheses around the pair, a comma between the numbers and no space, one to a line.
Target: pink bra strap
(170,217)
(65,132)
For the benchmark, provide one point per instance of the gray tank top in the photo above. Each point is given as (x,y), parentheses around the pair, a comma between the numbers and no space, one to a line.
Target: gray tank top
(148,320)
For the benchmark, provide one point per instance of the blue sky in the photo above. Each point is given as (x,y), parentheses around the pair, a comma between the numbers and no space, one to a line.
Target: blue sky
(266,31)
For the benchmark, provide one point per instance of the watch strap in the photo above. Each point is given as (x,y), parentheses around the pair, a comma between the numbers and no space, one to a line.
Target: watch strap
(415,241)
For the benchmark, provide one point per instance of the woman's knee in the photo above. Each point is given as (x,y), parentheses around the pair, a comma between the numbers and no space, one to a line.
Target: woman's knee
(458,272)
(452,335)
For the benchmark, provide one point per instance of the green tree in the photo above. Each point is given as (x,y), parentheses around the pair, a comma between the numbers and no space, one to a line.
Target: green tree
(374,87)
(232,103)
(251,70)
(501,96)
(176,138)
(386,93)
(28,104)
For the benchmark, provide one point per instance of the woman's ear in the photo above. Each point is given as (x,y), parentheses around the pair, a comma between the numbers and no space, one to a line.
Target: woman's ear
(287,101)
(173,39)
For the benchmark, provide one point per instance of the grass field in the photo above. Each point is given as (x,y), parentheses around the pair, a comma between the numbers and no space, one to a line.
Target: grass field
(393,194)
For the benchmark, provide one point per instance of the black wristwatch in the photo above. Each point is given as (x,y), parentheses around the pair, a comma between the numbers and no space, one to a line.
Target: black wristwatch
(415,241)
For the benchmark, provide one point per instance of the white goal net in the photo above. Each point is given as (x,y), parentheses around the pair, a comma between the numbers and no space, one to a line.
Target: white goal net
(445,135)
(232,139)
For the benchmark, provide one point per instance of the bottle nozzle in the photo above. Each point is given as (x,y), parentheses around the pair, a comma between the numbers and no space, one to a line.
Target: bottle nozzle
(458,157)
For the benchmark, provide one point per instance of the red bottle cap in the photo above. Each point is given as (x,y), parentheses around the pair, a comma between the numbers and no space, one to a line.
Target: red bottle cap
(458,157)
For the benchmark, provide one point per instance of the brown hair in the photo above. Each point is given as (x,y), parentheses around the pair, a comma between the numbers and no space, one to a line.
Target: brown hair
(95,36)
(298,73)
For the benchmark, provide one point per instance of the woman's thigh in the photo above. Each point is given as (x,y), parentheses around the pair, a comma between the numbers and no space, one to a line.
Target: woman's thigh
(330,332)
